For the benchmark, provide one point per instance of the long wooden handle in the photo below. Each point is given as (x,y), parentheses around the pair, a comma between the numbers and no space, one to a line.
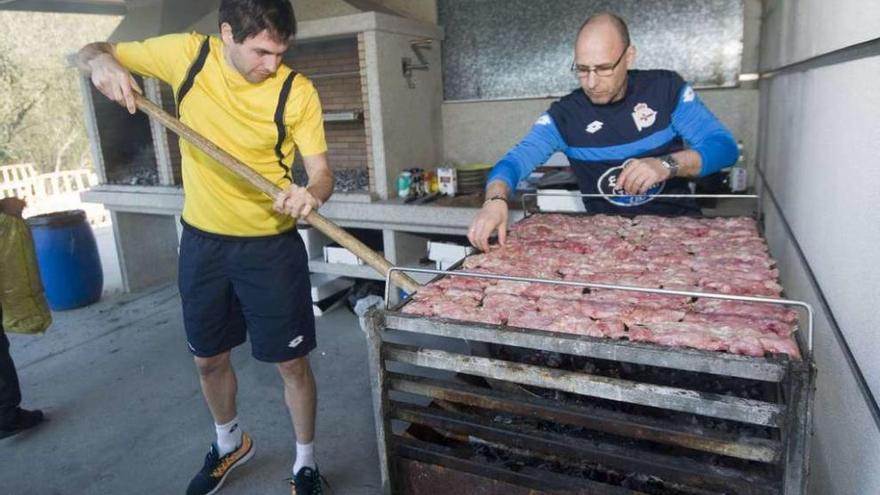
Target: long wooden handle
(314,218)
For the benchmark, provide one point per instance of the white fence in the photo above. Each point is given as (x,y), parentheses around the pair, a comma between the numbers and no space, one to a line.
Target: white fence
(49,192)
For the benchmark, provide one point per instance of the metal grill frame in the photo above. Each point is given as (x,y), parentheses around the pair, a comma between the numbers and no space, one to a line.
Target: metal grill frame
(791,416)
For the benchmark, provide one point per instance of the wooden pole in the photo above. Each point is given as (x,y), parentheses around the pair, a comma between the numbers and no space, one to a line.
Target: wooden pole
(263,184)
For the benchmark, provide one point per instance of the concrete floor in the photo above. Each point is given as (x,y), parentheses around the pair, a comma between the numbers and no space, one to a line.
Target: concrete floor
(126,414)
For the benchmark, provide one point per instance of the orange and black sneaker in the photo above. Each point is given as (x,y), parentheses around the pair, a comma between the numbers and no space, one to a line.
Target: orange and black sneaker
(307,481)
(209,480)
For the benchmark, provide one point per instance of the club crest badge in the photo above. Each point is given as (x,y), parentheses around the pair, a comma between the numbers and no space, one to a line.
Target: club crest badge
(644,116)
(688,95)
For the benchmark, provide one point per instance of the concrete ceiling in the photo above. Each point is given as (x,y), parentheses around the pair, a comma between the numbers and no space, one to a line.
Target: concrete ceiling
(107,7)
(118,6)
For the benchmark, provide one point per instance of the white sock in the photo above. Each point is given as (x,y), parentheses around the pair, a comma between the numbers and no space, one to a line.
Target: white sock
(228,437)
(305,456)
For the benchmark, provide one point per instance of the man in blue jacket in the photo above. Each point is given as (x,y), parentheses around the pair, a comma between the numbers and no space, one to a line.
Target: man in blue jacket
(650,123)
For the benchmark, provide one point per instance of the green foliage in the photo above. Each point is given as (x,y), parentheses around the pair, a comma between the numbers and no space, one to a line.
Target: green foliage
(41,115)
(17,100)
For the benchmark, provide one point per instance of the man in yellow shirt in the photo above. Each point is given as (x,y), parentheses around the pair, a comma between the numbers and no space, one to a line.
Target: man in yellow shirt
(243,267)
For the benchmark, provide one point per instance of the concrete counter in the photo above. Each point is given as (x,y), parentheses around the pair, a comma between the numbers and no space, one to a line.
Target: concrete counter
(147,228)
(347,210)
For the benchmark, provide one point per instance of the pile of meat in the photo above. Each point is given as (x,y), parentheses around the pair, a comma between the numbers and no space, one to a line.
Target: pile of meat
(717,255)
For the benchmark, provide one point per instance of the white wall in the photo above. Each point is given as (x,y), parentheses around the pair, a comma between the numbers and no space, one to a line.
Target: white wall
(146,18)
(409,124)
(307,10)
(421,10)
(820,143)
(482,132)
(796,30)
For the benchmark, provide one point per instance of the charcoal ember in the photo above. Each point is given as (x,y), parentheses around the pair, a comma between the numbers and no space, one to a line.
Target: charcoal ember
(503,419)
(629,368)
(544,358)
(146,176)
(588,367)
(346,180)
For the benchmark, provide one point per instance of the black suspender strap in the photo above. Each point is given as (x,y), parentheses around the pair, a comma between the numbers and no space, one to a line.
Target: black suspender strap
(197,66)
(194,69)
(279,123)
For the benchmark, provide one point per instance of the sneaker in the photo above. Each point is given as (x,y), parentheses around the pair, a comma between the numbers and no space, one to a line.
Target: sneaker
(307,481)
(23,420)
(216,468)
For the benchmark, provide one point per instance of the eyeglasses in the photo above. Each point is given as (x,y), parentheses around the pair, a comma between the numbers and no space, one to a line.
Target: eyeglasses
(600,70)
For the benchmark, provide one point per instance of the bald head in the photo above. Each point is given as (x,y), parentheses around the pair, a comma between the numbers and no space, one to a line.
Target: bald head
(602,56)
(605,25)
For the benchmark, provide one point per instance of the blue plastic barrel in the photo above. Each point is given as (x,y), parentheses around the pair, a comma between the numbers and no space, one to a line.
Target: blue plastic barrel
(67,254)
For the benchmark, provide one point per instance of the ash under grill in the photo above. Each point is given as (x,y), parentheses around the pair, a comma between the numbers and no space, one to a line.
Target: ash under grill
(125,142)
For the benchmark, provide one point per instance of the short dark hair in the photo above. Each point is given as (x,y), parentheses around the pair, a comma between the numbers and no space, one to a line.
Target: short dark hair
(618,23)
(251,17)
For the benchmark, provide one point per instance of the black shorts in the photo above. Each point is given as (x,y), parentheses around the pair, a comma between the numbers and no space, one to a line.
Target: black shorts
(235,286)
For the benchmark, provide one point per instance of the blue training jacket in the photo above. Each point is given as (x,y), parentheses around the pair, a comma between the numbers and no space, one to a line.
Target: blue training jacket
(659,114)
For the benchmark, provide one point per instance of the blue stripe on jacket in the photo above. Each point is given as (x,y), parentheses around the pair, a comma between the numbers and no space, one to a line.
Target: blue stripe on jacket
(542,141)
(702,131)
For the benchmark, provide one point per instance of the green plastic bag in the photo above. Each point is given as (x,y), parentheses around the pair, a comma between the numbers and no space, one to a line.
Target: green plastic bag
(21,293)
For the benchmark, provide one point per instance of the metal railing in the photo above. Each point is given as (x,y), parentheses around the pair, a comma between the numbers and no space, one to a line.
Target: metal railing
(709,295)
(51,191)
(574,194)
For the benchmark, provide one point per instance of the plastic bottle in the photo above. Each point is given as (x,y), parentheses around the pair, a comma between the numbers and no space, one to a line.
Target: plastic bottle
(739,176)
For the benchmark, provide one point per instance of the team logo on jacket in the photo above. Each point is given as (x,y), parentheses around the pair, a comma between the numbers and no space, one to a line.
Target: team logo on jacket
(688,95)
(544,120)
(614,194)
(594,127)
(644,116)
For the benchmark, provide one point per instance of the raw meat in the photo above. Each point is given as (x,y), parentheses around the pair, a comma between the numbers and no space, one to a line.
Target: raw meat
(717,255)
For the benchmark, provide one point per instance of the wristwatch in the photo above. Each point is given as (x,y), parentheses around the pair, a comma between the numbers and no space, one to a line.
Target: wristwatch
(670,163)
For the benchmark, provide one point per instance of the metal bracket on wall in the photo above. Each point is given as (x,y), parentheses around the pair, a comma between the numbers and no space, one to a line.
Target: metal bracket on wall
(417,46)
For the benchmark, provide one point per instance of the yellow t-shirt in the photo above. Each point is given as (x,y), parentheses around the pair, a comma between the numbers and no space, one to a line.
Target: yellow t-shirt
(238,116)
